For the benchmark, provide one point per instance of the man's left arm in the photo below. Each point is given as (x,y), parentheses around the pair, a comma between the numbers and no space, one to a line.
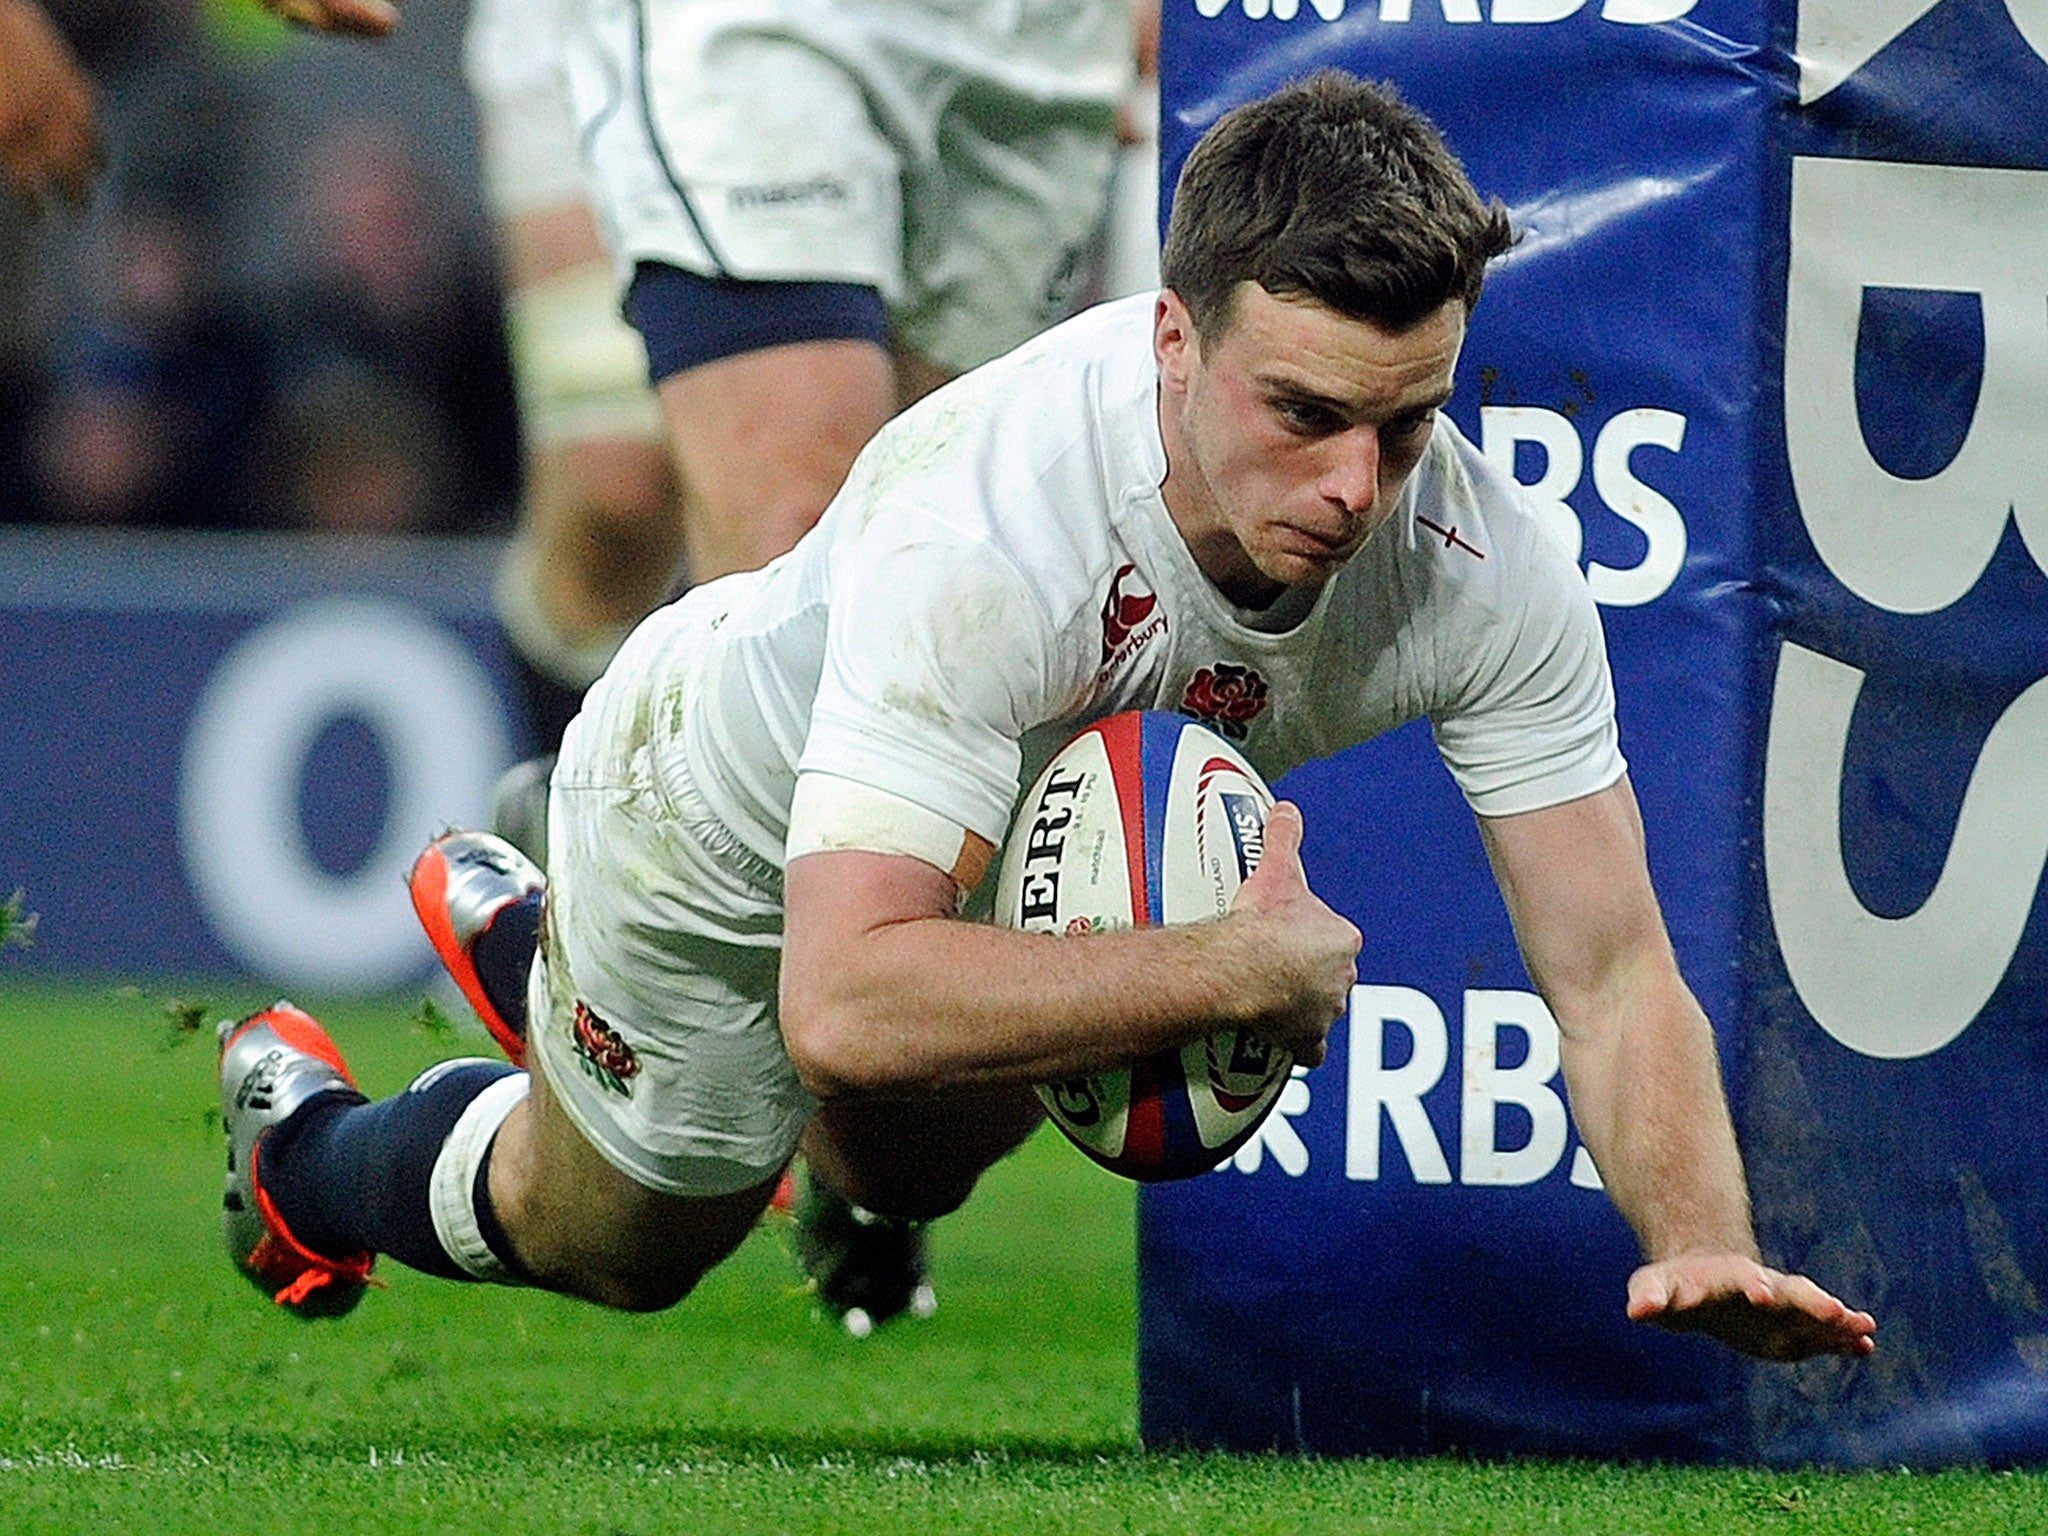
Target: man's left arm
(1645,1082)
(49,131)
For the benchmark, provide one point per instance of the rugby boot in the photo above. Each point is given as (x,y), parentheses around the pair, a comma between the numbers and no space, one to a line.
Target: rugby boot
(864,1269)
(270,1064)
(462,885)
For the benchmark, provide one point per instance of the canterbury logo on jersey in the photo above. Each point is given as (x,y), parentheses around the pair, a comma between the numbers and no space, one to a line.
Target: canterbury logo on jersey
(1131,617)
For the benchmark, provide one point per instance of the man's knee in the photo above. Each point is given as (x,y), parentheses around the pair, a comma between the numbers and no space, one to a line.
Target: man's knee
(623,1289)
(634,1267)
(579,1226)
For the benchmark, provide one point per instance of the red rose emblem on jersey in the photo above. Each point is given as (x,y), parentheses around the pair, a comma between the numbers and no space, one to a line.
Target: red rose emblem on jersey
(602,1051)
(1226,697)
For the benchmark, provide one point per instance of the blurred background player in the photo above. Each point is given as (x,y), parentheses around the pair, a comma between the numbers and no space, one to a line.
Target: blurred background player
(817,213)
(600,536)
(818,210)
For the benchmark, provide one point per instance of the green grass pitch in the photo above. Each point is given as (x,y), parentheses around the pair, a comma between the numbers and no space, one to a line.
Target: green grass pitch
(145,1388)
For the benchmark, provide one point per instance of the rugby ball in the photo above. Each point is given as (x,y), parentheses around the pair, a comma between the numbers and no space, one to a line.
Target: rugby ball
(1146,819)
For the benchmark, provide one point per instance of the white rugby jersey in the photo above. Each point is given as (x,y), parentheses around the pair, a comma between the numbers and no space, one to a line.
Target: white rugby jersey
(1000,570)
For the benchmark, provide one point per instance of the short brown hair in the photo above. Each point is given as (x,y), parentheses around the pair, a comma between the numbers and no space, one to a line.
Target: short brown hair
(1336,190)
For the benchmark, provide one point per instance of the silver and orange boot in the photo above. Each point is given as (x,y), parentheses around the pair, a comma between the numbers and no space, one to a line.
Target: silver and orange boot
(462,884)
(270,1064)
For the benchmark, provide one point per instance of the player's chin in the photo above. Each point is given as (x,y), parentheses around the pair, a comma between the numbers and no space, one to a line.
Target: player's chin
(1302,564)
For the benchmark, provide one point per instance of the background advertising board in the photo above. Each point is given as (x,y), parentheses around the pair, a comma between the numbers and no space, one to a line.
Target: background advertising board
(1772,354)
(223,752)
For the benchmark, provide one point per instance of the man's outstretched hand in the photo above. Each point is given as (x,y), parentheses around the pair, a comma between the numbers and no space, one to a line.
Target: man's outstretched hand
(1758,1311)
(365,18)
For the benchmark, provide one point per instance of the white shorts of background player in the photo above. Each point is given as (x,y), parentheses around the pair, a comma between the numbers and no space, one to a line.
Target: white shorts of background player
(955,156)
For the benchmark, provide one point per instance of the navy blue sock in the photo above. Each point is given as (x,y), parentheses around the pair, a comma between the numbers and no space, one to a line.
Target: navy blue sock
(347,1175)
(503,954)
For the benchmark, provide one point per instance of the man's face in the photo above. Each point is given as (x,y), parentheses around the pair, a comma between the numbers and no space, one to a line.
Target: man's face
(1290,434)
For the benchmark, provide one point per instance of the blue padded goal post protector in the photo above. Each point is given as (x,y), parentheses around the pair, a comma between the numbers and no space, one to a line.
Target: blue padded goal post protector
(1773,350)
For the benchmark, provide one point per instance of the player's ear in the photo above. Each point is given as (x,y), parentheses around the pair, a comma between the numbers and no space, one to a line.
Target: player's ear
(1175,344)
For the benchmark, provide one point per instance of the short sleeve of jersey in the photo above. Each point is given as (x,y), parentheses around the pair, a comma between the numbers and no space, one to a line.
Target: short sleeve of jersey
(1533,723)
(938,656)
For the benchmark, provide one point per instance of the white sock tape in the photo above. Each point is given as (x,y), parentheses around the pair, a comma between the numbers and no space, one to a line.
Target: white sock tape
(454,1178)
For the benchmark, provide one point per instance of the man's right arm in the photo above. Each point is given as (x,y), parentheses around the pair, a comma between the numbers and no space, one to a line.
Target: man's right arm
(885,993)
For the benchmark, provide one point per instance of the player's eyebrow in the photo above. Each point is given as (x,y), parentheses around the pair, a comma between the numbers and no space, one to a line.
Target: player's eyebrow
(1434,401)
(1280,388)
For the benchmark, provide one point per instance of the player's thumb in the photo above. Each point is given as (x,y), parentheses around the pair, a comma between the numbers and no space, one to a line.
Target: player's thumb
(1649,1293)
(1283,843)
(1279,877)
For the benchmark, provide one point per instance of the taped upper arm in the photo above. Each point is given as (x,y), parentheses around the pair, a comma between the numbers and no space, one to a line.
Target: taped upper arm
(830,813)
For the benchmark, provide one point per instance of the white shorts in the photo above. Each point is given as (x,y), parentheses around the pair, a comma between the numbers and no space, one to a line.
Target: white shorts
(953,154)
(512,58)
(652,1005)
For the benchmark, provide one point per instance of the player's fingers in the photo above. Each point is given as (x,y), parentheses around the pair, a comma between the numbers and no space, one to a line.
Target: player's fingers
(369,18)
(1688,1291)
(1692,1281)
(1279,875)
(1833,1312)
(1800,1337)
(1803,1293)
